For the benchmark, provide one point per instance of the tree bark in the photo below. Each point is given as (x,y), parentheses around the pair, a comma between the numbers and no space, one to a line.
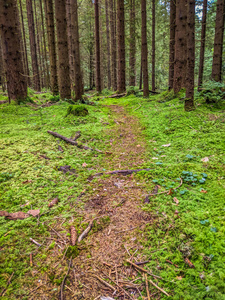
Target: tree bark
(113,46)
(121,84)
(10,32)
(153,45)
(63,52)
(218,41)
(108,44)
(190,78)
(33,46)
(79,88)
(70,44)
(172,41)
(2,68)
(144,49)
(132,59)
(180,61)
(49,15)
(97,48)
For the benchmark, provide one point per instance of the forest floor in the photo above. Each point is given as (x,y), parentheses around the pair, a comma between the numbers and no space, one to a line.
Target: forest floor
(178,233)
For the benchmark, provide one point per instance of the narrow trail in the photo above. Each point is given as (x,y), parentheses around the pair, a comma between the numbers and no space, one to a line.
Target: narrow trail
(120,198)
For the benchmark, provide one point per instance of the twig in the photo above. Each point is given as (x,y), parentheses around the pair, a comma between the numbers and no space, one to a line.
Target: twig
(104,282)
(123,172)
(69,141)
(146,283)
(36,243)
(166,192)
(64,279)
(160,289)
(57,233)
(142,263)
(8,282)
(137,107)
(143,270)
(85,232)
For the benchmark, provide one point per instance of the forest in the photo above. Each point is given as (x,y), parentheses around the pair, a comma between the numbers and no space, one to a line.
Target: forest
(112,149)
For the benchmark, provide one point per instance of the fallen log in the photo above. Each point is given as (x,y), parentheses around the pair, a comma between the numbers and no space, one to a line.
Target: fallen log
(122,172)
(117,95)
(74,143)
(4,101)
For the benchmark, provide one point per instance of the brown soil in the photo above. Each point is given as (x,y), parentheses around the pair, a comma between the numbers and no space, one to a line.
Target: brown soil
(104,252)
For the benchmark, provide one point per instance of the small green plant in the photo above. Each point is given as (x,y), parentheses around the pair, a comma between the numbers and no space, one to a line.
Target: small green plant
(54,98)
(77,110)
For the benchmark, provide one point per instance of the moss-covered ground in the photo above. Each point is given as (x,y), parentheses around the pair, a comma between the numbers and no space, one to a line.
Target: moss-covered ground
(189,222)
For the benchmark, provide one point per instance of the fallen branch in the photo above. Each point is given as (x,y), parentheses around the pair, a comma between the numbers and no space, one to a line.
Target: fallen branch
(36,243)
(78,134)
(123,172)
(117,95)
(104,282)
(143,270)
(85,232)
(167,192)
(160,289)
(142,263)
(8,282)
(147,290)
(64,280)
(72,142)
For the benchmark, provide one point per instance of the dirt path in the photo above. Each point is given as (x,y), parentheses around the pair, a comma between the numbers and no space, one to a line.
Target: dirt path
(120,198)
(116,202)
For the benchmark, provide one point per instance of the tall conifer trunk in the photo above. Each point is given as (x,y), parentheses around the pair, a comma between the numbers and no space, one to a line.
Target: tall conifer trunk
(63,52)
(97,48)
(144,49)
(79,88)
(132,59)
(172,41)
(202,49)
(10,32)
(70,42)
(190,78)
(180,61)
(121,84)
(153,45)
(113,46)
(49,15)
(218,41)
(33,46)
(108,44)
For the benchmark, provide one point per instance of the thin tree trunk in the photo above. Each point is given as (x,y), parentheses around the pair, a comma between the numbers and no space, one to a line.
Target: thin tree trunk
(218,41)
(113,46)
(172,41)
(25,46)
(91,53)
(153,45)
(108,44)
(97,48)
(190,79)
(180,61)
(70,44)
(63,52)
(40,58)
(33,46)
(79,88)
(10,33)
(45,46)
(49,15)
(2,68)
(141,76)
(132,59)
(144,49)
(121,84)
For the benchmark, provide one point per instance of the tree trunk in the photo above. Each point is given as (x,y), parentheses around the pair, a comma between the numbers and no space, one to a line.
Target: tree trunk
(153,45)
(141,76)
(121,84)
(79,88)
(70,44)
(10,33)
(144,49)
(63,53)
(97,48)
(108,44)
(218,42)
(27,72)
(45,46)
(180,61)
(172,41)
(49,14)
(113,46)
(190,78)
(33,46)
(2,68)
(132,59)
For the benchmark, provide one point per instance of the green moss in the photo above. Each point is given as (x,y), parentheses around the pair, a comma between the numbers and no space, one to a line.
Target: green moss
(77,110)
(72,251)
(100,224)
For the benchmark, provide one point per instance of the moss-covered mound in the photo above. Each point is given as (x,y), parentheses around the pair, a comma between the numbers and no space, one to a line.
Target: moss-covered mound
(77,110)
